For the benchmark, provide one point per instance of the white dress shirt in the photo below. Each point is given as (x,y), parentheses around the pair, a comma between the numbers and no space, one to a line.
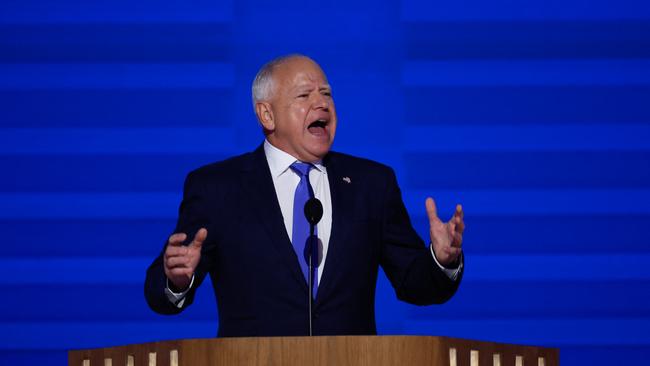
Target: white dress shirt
(285,181)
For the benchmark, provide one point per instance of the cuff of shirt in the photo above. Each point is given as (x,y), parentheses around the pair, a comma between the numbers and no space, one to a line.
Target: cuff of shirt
(452,273)
(177,298)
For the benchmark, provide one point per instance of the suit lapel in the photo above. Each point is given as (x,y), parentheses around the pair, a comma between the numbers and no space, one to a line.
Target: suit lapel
(258,184)
(342,194)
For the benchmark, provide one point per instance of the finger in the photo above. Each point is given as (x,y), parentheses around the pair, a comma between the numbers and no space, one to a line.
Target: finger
(457,241)
(175,262)
(432,210)
(451,228)
(173,251)
(459,211)
(181,271)
(199,238)
(457,221)
(460,226)
(177,239)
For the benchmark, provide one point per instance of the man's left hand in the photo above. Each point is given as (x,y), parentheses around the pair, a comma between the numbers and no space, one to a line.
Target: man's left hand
(446,237)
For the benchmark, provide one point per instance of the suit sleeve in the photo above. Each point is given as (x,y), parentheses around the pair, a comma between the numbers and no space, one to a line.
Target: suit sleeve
(406,260)
(193,215)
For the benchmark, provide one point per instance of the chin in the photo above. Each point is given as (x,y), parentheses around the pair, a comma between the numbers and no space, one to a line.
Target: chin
(320,151)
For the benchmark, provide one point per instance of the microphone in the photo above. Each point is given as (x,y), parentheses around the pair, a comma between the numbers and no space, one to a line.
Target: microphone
(313,213)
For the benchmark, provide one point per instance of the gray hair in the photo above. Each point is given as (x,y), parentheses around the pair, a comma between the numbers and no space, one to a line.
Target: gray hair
(263,83)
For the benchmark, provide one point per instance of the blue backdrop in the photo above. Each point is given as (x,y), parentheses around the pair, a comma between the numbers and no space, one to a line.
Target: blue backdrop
(533,114)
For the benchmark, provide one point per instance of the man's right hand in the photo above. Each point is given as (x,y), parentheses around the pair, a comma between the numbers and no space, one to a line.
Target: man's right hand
(180,261)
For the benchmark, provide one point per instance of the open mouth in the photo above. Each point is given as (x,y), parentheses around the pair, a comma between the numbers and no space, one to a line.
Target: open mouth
(317,127)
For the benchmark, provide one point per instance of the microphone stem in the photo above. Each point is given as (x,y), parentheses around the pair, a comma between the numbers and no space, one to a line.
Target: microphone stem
(309,276)
(313,213)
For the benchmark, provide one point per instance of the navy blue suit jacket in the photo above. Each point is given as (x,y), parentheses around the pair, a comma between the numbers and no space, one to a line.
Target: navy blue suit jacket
(257,281)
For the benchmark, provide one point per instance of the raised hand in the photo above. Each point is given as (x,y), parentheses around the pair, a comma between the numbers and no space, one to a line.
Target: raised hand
(180,261)
(447,237)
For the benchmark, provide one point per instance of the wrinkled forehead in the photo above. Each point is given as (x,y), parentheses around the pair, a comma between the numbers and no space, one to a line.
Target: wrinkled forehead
(299,71)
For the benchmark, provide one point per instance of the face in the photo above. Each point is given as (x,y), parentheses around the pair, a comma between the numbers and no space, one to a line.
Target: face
(300,117)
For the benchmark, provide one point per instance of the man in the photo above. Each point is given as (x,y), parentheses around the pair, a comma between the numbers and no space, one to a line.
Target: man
(242,222)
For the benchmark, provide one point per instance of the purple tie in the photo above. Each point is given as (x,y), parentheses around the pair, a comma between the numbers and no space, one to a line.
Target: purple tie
(300,233)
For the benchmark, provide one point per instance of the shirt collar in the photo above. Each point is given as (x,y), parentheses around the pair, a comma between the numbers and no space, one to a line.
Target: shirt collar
(280,161)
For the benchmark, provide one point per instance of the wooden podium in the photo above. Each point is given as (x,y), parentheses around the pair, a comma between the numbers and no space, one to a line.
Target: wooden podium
(317,351)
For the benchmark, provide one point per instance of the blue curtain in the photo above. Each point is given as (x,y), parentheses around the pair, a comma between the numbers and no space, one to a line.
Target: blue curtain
(534,115)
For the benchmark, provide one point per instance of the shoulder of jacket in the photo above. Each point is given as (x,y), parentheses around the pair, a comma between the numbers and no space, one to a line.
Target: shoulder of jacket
(359,163)
(221,168)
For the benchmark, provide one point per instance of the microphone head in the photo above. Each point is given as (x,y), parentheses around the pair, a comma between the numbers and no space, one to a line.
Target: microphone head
(313,210)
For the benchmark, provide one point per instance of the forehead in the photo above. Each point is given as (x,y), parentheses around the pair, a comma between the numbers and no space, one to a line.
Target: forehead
(299,71)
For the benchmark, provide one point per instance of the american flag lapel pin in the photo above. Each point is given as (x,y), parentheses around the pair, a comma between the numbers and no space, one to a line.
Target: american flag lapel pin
(347,180)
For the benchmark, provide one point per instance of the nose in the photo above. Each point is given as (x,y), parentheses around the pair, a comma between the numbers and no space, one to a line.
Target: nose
(322,102)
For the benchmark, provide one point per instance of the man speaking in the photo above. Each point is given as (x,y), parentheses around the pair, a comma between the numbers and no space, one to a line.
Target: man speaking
(242,221)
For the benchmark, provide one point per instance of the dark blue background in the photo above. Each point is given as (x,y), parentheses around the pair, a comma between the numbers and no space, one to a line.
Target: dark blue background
(533,114)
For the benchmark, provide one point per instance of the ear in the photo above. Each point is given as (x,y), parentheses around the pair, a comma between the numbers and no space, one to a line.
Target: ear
(265,115)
